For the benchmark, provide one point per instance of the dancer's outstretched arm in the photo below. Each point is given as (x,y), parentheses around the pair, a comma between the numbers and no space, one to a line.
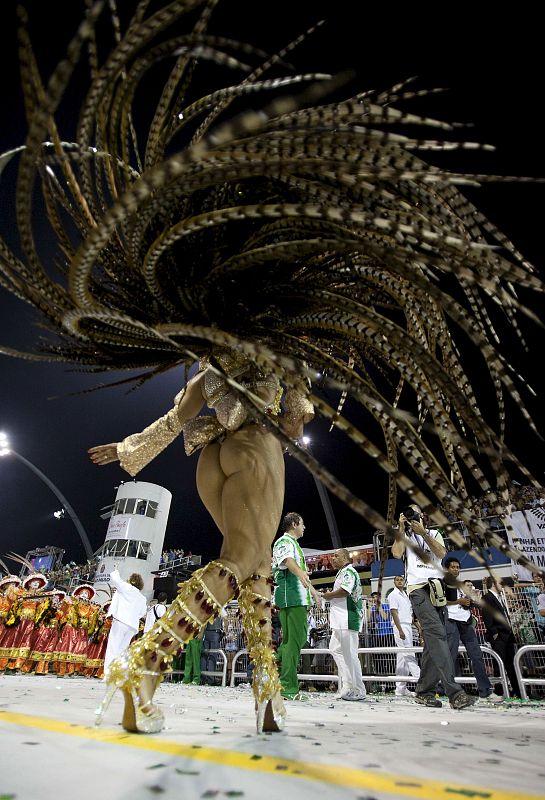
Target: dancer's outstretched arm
(139,449)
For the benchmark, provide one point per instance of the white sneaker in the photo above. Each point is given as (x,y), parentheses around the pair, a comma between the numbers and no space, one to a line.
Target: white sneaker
(405,692)
(354,695)
(493,698)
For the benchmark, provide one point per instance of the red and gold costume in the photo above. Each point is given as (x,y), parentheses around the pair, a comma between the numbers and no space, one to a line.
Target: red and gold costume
(87,621)
(94,666)
(21,641)
(47,636)
(64,655)
(29,609)
(79,617)
(9,594)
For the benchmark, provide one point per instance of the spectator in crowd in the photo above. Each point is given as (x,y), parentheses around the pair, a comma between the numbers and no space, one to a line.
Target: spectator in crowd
(498,627)
(460,626)
(379,620)
(402,617)
(192,664)
(155,611)
(380,634)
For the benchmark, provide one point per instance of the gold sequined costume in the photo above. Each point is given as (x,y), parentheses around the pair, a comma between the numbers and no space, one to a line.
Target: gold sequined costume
(230,414)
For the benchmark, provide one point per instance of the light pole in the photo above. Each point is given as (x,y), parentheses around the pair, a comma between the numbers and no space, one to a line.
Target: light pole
(326,503)
(6,450)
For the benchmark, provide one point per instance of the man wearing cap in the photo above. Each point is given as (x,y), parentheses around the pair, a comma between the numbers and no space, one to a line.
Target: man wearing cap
(127,609)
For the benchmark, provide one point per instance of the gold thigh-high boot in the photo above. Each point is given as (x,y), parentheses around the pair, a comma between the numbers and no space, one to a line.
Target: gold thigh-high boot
(194,606)
(255,605)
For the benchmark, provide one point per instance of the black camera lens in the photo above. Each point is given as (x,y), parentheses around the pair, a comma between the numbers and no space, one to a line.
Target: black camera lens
(411,514)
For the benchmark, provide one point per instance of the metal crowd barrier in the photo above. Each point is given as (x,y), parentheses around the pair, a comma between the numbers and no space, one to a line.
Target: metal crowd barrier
(234,673)
(333,677)
(523,682)
(210,673)
(502,678)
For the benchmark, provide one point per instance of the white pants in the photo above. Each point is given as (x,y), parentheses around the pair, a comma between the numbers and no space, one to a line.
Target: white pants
(119,639)
(343,646)
(406,663)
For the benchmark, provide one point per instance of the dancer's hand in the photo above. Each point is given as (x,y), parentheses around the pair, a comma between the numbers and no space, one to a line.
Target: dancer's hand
(104,454)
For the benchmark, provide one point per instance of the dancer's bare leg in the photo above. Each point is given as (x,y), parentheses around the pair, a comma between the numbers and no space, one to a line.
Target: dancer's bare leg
(241,483)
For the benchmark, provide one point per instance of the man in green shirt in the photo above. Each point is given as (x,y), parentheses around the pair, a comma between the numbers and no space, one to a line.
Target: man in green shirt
(292,597)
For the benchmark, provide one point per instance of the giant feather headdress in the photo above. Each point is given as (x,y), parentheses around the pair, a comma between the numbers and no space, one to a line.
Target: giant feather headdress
(307,232)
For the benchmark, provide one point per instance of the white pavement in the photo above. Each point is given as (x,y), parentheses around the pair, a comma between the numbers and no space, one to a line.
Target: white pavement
(373,750)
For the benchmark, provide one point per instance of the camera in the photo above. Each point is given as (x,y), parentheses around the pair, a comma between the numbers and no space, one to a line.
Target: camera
(411,515)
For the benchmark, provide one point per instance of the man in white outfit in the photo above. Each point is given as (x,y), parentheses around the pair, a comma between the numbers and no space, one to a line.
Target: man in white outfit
(127,609)
(402,616)
(156,611)
(345,621)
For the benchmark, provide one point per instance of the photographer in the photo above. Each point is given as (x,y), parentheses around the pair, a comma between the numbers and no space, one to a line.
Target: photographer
(436,660)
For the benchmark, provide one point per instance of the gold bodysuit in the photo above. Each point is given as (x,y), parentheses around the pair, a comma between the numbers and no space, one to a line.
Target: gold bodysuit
(230,413)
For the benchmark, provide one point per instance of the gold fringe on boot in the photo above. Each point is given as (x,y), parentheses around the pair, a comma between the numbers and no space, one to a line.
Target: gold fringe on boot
(256,619)
(159,646)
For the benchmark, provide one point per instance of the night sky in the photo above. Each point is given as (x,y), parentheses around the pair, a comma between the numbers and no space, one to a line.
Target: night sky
(493,73)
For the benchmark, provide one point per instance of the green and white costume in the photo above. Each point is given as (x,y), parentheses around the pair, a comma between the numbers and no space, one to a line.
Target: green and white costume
(292,600)
(289,589)
(346,613)
(345,621)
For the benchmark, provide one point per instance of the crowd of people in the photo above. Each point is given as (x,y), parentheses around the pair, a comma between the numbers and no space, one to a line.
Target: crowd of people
(324,563)
(72,573)
(44,628)
(170,557)
(49,631)
(44,631)
(521,498)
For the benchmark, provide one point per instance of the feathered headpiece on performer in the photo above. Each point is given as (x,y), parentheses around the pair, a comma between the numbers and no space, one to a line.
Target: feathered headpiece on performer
(9,578)
(309,235)
(34,581)
(84,592)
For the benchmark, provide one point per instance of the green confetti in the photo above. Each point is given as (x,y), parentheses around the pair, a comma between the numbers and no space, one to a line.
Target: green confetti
(255,758)
(467,792)
(156,766)
(186,771)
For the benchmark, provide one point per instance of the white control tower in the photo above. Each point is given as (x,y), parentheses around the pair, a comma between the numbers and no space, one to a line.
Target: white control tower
(135,535)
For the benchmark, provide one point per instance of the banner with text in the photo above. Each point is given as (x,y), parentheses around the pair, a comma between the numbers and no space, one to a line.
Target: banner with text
(528,534)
